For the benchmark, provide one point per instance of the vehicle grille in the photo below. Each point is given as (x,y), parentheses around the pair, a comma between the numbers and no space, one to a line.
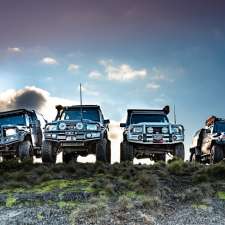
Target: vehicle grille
(157,130)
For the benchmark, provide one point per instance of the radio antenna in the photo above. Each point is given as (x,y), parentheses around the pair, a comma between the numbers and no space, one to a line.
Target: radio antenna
(81,103)
(175,116)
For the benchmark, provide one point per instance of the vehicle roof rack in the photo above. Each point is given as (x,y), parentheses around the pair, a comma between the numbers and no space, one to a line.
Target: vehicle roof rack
(16,111)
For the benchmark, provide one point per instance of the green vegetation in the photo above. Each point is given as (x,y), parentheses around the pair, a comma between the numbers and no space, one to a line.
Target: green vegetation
(120,184)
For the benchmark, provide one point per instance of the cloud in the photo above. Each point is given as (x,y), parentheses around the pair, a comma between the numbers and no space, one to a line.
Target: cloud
(95,75)
(49,61)
(152,86)
(15,50)
(73,67)
(123,72)
(32,98)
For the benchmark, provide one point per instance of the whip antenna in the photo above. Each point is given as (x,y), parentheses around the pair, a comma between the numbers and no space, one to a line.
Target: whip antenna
(81,104)
(175,116)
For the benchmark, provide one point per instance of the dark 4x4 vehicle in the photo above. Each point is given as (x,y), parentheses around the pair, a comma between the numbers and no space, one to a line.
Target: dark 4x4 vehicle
(208,144)
(20,134)
(149,134)
(77,130)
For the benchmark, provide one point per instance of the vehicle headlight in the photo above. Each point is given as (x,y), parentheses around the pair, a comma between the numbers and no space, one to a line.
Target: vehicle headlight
(93,127)
(79,126)
(150,130)
(62,126)
(10,132)
(176,130)
(51,127)
(137,129)
(165,130)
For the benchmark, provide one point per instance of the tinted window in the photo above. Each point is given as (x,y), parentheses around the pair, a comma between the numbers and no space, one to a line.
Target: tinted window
(13,120)
(153,118)
(75,114)
(219,127)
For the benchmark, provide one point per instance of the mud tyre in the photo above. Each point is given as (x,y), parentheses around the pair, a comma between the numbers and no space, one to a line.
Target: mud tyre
(217,154)
(179,151)
(101,155)
(48,152)
(108,151)
(25,151)
(126,152)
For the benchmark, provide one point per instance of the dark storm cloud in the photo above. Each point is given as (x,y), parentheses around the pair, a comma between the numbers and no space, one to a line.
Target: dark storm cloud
(29,97)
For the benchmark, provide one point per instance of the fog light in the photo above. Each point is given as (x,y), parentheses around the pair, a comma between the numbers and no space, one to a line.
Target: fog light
(69,138)
(140,137)
(89,135)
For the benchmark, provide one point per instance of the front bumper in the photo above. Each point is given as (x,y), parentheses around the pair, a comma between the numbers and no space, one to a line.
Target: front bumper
(71,140)
(161,139)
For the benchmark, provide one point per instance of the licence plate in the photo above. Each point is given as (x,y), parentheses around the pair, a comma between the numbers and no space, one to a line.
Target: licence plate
(158,137)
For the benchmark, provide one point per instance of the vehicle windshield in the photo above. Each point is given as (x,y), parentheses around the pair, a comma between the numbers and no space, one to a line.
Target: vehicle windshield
(75,114)
(219,127)
(152,118)
(16,119)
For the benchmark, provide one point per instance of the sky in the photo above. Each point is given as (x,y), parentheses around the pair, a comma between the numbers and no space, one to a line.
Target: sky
(127,54)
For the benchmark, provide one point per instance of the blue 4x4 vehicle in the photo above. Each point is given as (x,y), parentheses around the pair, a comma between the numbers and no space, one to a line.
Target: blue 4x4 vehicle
(77,130)
(21,134)
(149,134)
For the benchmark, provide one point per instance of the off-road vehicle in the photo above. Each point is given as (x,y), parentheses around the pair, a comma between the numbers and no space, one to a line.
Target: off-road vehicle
(21,134)
(149,134)
(77,130)
(208,144)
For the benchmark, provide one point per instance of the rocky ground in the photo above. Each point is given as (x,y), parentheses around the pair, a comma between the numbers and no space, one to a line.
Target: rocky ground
(173,194)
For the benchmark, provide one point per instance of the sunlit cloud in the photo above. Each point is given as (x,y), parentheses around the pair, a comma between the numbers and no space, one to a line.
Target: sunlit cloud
(152,86)
(95,75)
(49,61)
(15,50)
(73,68)
(123,72)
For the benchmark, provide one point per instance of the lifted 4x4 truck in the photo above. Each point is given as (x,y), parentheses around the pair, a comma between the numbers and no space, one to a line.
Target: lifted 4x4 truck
(149,134)
(208,144)
(77,130)
(20,134)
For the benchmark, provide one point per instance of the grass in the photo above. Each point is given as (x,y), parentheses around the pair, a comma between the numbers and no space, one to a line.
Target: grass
(158,183)
(10,201)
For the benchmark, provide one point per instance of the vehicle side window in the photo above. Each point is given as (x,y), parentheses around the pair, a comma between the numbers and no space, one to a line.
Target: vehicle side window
(101,116)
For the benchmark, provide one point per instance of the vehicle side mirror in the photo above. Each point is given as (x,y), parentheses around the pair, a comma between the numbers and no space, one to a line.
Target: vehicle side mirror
(122,124)
(106,121)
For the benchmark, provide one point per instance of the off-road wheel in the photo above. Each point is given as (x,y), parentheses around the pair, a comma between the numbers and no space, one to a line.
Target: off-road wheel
(217,154)
(193,156)
(69,157)
(126,152)
(160,157)
(25,151)
(108,151)
(48,152)
(179,151)
(101,151)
